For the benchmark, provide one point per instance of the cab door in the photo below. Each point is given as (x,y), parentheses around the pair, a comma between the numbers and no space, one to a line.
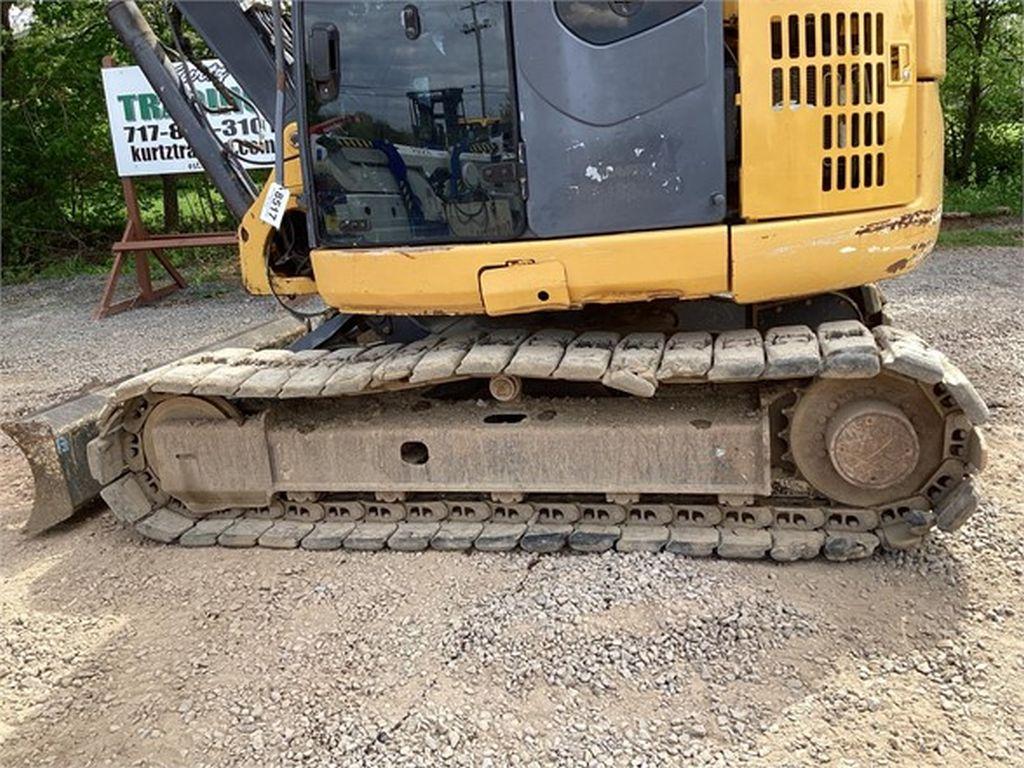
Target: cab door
(622,118)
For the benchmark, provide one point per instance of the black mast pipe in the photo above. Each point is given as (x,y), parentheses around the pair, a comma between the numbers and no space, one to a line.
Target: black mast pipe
(224,170)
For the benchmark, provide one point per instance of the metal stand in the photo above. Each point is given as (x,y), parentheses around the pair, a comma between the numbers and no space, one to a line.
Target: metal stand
(134,233)
(137,240)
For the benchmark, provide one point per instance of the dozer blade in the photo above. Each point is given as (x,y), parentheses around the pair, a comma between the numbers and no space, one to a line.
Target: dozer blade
(54,440)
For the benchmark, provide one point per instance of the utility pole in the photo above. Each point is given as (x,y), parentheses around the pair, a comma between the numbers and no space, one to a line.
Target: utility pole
(474,29)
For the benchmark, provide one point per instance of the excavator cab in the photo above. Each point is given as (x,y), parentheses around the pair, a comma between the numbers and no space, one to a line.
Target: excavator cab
(584,141)
(600,182)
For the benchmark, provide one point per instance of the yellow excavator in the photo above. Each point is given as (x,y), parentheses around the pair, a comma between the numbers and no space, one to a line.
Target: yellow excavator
(599,275)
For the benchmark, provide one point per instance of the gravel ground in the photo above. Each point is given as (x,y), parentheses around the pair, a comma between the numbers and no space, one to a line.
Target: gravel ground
(50,348)
(116,652)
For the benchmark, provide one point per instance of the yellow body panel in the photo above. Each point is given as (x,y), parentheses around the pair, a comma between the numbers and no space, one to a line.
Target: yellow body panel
(254,234)
(766,261)
(829,123)
(636,266)
(519,287)
(931,39)
(774,260)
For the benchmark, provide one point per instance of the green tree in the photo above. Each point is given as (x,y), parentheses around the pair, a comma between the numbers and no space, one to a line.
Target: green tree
(982,92)
(59,186)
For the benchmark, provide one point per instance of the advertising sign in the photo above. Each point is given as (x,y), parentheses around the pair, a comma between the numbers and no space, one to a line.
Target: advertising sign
(147,142)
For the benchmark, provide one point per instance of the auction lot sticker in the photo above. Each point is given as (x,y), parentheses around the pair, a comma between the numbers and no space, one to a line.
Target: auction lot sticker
(147,142)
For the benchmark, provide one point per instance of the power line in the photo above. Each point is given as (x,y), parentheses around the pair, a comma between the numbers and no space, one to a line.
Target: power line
(474,29)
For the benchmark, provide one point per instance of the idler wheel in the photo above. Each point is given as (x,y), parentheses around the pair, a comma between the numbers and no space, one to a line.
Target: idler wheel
(866,442)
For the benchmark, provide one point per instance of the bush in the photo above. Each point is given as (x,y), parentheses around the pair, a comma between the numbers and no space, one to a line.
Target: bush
(61,196)
(996,193)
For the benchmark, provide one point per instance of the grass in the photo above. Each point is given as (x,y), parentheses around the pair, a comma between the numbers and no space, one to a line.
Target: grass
(999,192)
(1000,196)
(83,261)
(87,252)
(200,266)
(90,253)
(980,236)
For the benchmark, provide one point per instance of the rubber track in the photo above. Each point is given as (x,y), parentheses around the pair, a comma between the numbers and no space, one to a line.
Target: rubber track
(636,363)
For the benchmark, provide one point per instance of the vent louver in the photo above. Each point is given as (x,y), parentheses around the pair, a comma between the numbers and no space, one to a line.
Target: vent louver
(824,110)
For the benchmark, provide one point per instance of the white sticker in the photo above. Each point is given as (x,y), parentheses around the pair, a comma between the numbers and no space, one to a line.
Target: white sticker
(274,204)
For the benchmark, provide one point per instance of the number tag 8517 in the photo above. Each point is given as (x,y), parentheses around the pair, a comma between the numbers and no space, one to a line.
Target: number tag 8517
(274,205)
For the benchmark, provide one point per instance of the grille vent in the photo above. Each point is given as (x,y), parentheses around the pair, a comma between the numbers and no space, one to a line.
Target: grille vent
(829,106)
(834,87)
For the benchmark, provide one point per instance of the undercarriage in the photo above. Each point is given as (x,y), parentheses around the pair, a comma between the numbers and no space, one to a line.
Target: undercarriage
(786,444)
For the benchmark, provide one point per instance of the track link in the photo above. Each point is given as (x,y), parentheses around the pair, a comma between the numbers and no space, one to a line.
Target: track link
(788,526)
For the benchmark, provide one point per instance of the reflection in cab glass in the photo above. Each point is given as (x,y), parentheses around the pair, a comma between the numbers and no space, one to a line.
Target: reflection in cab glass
(412,122)
(608,21)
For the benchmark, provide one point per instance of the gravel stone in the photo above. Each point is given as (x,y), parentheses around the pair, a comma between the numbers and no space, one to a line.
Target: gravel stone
(122,653)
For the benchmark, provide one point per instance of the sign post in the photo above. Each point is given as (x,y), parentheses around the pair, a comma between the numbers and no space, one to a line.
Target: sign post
(137,240)
(147,143)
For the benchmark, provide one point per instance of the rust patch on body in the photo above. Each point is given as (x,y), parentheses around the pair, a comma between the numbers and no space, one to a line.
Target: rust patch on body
(906,221)
(897,266)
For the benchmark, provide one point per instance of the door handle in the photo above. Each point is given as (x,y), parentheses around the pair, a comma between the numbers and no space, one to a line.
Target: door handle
(324,64)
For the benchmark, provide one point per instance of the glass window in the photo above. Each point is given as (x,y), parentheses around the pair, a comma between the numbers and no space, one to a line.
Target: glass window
(412,122)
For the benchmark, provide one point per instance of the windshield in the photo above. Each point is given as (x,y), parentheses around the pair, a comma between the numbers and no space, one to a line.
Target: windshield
(411,122)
